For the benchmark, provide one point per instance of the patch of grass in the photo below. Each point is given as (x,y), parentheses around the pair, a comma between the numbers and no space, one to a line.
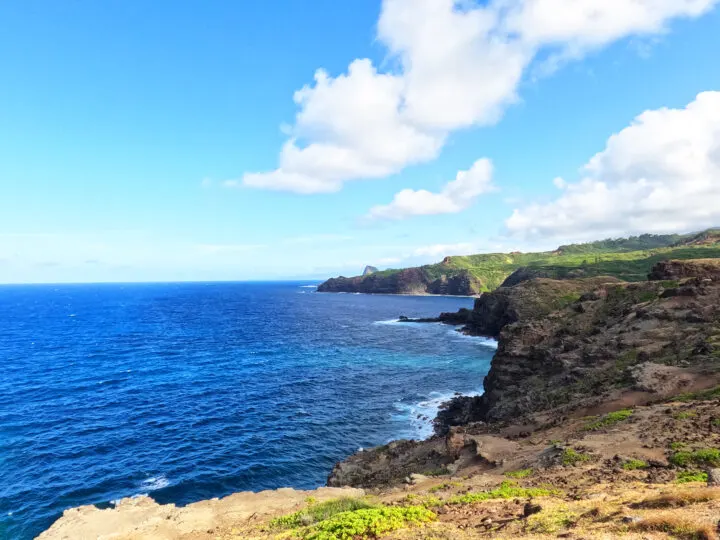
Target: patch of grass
(522,473)
(677,527)
(634,464)
(684,415)
(507,490)
(319,512)
(677,445)
(552,520)
(680,498)
(703,395)
(609,419)
(683,477)
(716,422)
(368,523)
(705,456)
(573,457)
(443,487)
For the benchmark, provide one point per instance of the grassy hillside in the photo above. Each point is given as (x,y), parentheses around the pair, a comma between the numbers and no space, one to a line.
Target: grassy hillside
(629,259)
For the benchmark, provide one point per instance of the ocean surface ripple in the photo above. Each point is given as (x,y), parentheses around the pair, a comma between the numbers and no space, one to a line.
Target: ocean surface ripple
(193,391)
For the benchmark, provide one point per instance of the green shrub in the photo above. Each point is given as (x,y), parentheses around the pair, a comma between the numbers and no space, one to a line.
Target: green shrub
(684,477)
(368,523)
(609,419)
(319,512)
(573,457)
(507,490)
(442,487)
(677,445)
(634,464)
(706,456)
(522,473)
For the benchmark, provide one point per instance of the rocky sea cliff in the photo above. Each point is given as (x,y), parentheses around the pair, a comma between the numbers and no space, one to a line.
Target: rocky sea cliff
(601,412)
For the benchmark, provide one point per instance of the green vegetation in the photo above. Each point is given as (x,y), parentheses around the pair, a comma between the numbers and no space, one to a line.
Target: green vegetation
(703,395)
(677,445)
(634,464)
(684,415)
(368,523)
(522,473)
(507,490)
(319,512)
(620,245)
(443,487)
(552,520)
(705,456)
(350,519)
(609,419)
(683,477)
(573,457)
(628,259)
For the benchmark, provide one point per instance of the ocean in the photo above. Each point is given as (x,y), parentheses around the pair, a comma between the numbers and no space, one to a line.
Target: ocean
(198,390)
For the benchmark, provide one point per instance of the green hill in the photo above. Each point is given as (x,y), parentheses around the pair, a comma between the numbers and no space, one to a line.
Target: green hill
(629,259)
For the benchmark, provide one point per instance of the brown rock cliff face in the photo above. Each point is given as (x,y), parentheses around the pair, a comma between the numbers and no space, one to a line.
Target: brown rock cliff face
(569,349)
(583,354)
(699,268)
(532,299)
(407,281)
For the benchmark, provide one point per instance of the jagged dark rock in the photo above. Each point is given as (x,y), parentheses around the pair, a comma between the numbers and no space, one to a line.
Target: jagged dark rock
(407,281)
(456,318)
(678,270)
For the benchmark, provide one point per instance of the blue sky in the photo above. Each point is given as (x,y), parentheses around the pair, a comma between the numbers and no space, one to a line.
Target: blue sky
(149,140)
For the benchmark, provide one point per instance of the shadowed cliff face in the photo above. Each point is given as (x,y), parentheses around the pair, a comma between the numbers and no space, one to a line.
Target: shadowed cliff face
(408,281)
(596,343)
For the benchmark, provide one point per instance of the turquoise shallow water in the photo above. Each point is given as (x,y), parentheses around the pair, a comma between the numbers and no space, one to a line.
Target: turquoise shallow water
(191,391)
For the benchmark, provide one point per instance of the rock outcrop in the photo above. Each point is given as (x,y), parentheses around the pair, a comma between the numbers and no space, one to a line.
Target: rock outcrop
(141,518)
(369,270)
(408,281)
(588,352)
(531,299)
(567,348)
(675,270)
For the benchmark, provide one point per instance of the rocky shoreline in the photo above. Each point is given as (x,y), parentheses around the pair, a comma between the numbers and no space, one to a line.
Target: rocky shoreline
(566,347)
(576,359)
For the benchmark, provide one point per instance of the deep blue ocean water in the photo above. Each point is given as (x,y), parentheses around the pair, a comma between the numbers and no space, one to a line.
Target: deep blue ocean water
(192,391)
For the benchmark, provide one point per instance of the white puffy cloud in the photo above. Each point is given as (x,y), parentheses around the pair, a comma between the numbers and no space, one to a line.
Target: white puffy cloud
(660,174)
(459,64)
(584,24)
(456,196)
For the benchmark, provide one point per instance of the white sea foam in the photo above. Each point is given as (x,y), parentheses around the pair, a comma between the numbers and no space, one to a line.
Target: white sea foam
(485,341)
(308,286)
(389,321)
(420,415)
(154,483)
(403,323)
